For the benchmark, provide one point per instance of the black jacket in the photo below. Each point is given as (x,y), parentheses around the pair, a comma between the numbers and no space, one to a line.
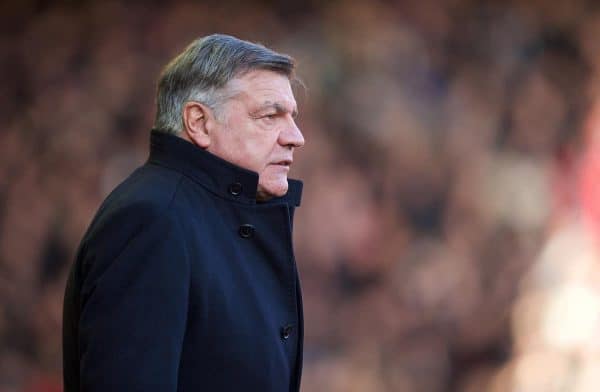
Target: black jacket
(183,282)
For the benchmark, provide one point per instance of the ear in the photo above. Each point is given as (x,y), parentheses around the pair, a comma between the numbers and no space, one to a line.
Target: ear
(198,123)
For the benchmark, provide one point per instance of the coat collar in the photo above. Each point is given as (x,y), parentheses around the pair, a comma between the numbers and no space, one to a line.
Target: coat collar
(216,174)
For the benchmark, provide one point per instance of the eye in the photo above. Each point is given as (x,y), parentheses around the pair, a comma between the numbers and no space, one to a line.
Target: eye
(271,117)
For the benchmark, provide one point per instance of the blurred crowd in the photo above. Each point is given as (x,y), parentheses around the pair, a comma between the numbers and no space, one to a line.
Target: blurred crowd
(449,233)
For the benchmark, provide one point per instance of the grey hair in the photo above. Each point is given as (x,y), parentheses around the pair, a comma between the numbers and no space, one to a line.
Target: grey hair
(202,70)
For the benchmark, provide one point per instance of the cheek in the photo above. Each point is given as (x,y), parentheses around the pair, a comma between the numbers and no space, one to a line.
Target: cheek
(248,150)
(260,149)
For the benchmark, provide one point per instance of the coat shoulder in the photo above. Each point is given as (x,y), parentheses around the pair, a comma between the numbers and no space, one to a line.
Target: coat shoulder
(143,197)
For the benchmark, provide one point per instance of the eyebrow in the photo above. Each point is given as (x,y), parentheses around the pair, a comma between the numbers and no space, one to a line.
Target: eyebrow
(279,108)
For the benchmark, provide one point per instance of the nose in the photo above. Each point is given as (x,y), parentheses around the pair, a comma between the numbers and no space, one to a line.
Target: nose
(291,136)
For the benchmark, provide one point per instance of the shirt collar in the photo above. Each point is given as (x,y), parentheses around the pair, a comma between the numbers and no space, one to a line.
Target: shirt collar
(216,174)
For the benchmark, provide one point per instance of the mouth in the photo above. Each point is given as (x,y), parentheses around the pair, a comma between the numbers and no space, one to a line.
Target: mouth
(285,162)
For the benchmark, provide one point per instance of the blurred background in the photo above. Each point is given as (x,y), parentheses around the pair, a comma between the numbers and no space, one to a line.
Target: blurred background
(449,233)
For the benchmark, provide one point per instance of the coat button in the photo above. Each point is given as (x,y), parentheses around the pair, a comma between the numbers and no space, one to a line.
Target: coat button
(246,231)
(235,189)
(286,331)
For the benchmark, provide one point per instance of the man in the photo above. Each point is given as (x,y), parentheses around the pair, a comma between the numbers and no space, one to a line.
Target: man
(186,279)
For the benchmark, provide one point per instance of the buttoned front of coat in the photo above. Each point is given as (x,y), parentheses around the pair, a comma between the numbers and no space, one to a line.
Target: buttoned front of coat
(183,282)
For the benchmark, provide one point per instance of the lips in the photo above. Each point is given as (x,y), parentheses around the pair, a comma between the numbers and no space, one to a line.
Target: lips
(285,162)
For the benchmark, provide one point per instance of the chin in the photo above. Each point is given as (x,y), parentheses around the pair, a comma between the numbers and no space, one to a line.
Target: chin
(272,189)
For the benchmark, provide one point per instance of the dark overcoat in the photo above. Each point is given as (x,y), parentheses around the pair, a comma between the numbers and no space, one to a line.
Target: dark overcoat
(184,282)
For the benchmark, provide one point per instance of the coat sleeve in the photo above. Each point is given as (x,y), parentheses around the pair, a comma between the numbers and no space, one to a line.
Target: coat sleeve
(134,310)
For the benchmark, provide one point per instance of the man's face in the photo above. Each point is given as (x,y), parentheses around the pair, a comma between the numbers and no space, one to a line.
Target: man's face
(258,131)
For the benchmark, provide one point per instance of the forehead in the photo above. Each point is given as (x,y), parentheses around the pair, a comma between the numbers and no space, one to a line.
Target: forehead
(260,86)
